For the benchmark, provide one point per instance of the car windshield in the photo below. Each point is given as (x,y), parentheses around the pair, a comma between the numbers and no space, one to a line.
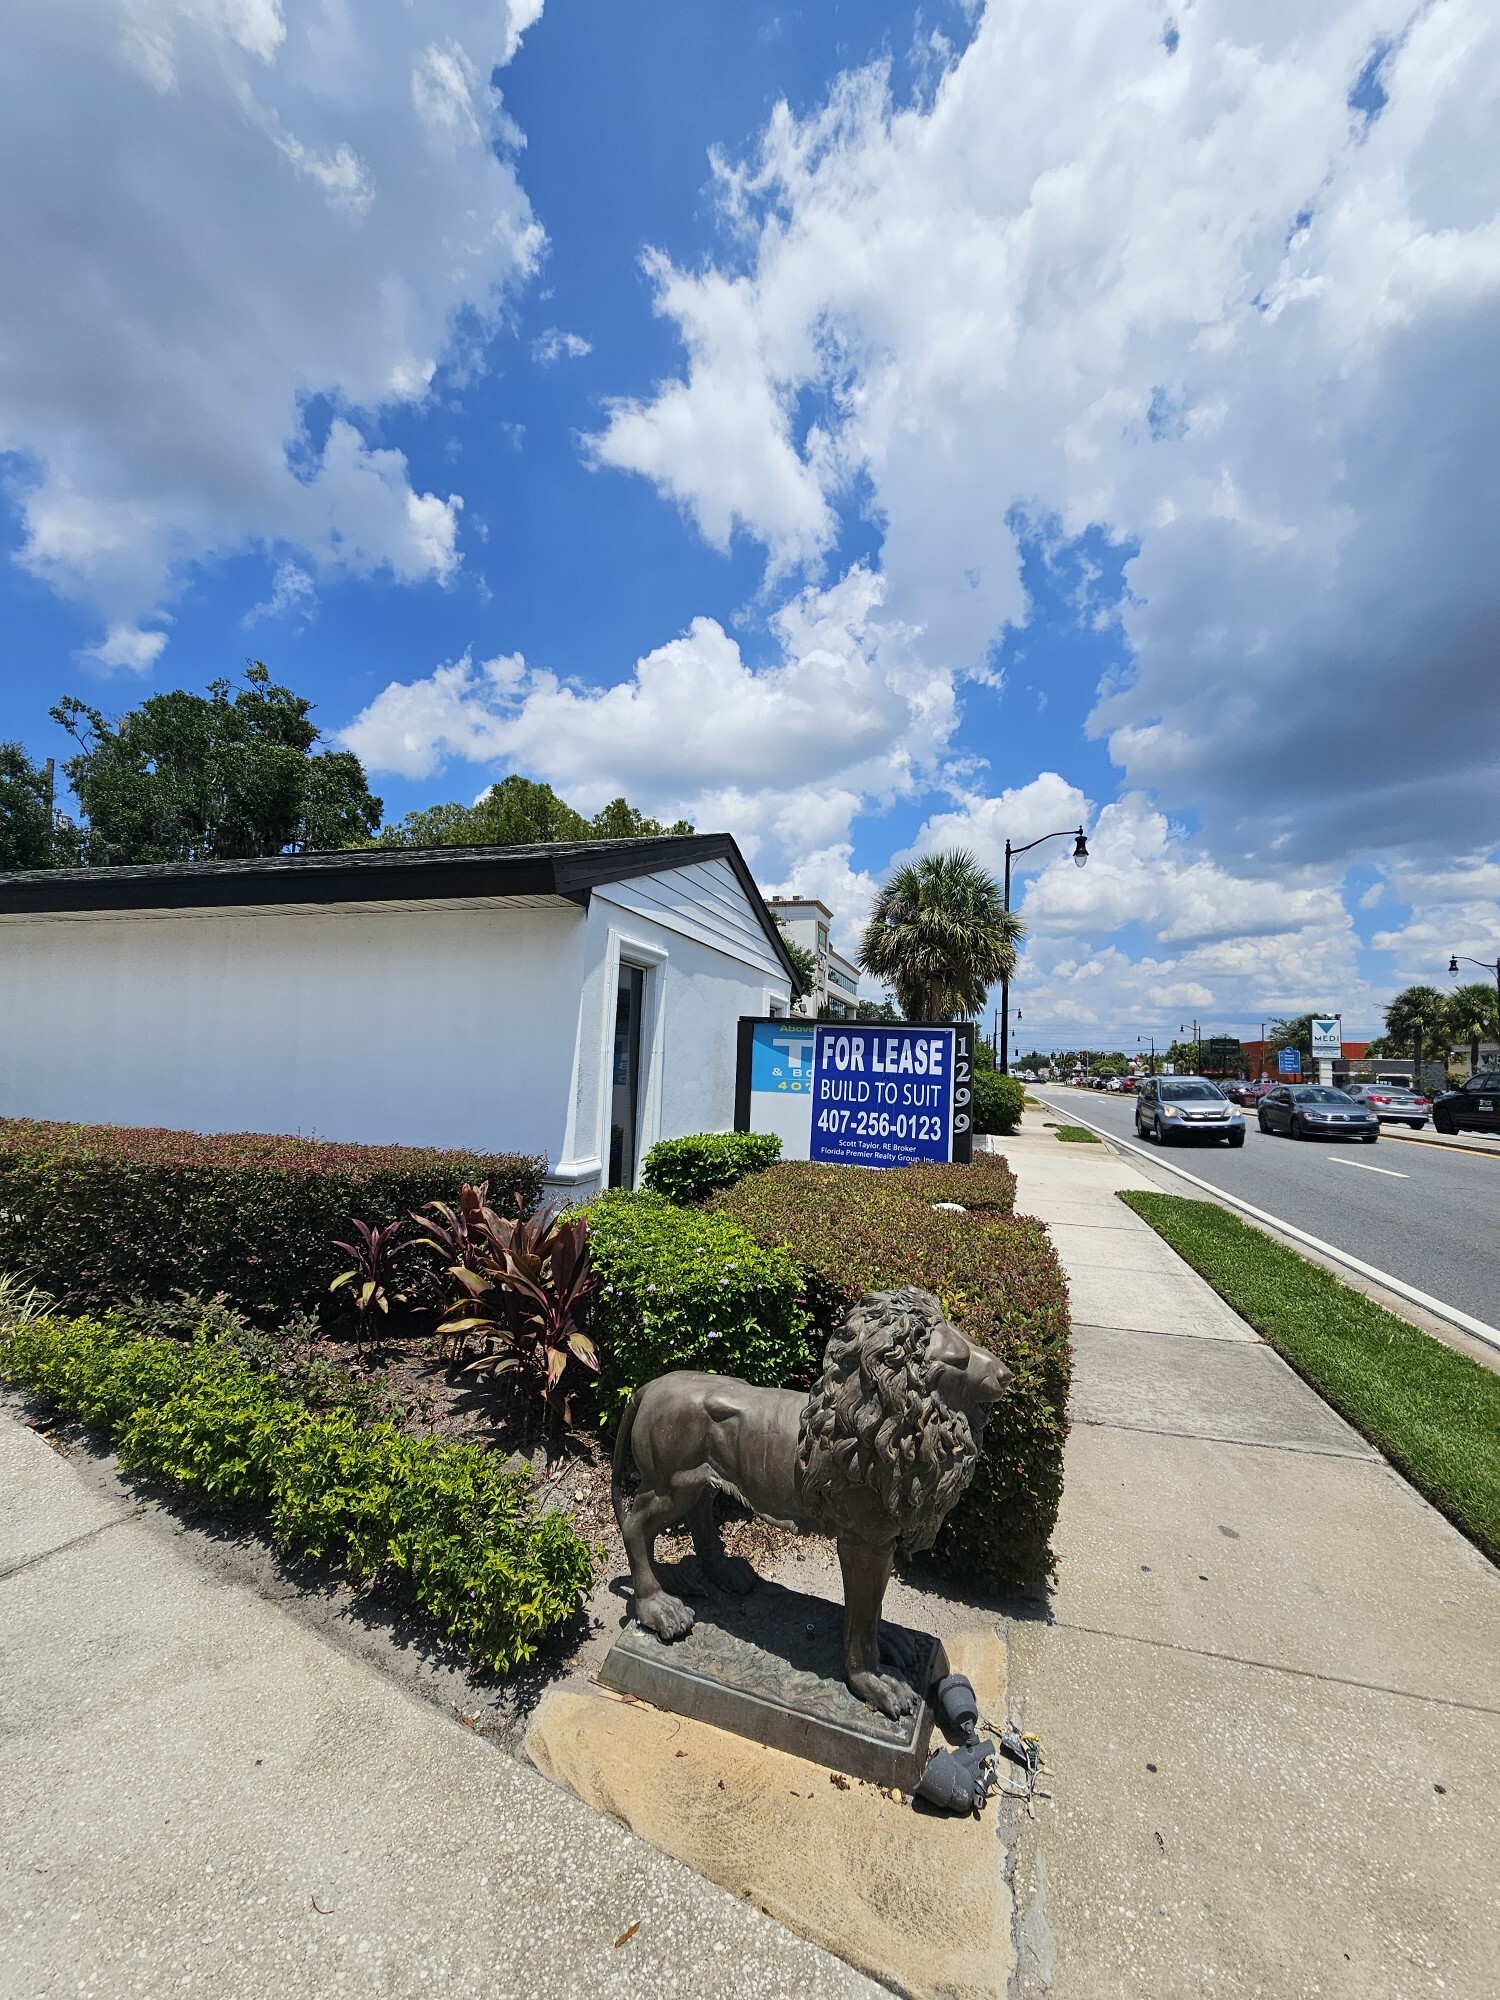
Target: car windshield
(1311,1094)
(1176,1092)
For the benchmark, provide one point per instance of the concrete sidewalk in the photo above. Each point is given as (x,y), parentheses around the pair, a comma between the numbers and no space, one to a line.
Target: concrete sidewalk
(1269,1685)
(199,1794)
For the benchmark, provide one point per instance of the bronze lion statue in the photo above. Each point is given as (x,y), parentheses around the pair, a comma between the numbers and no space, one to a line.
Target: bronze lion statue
(874,1457)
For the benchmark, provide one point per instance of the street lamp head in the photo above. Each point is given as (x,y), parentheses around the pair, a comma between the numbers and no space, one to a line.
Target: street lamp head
(1453,965)
(1080,850)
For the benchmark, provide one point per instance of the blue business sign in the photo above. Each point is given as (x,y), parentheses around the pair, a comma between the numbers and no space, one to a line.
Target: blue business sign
(1289,1062)
(889,1097)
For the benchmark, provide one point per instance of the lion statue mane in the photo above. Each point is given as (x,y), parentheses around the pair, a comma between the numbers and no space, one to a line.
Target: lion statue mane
(876,1422)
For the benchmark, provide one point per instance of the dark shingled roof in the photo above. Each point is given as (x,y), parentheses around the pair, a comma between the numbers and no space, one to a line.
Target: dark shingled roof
(566,868)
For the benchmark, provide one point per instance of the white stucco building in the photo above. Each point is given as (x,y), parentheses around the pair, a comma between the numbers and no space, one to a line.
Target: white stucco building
(576,1000)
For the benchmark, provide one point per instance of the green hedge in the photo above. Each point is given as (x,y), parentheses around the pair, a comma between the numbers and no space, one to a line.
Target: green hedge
(998,1102)
(690,1170)
(684,1288)
(852,1231)
(96,1214)
(461,1532)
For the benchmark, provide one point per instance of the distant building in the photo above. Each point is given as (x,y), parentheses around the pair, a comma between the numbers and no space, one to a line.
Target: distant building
(836,984)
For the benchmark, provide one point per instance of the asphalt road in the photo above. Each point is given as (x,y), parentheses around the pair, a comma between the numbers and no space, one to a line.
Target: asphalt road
(1429,1215)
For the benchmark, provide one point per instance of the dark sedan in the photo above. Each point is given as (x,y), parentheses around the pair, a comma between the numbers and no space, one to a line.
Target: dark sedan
(1316,1111)
(1475,1107)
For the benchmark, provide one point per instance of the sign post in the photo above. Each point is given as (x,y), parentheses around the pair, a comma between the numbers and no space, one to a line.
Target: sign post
(856,1093)
(1289,1062)
(1327,1043)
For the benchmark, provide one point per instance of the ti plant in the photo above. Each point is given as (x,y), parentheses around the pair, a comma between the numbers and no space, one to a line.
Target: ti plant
(520,1283)
(372,1278)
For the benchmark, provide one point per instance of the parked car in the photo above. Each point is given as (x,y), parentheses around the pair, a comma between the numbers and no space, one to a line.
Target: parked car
(1316,1111)
(1393,1103)
(1473,1107)
(1238,1091)
(1173,1109)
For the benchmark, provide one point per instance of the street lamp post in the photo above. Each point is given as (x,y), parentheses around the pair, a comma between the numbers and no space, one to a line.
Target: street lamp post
(1485,966)
(1080,857)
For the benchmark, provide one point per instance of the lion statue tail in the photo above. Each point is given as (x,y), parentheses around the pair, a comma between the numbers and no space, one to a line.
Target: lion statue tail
(622,1459)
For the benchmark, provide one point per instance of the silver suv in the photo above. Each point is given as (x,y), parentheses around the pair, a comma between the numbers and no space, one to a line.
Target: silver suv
(1174,1109)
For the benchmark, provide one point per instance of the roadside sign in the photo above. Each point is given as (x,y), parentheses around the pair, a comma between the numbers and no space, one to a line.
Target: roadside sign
(1327,1037)
(1289,1062)
(858,1093)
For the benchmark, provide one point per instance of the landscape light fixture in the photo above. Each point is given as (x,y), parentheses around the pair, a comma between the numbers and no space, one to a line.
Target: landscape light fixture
(1080,857)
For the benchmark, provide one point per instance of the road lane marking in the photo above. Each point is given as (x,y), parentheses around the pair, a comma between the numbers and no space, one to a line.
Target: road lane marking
(1490,1335)
(1365,1168)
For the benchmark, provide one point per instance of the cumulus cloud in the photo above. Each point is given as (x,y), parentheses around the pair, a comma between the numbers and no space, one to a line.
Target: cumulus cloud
(784,755)
(309,204)
(1152,923)
(1179,288)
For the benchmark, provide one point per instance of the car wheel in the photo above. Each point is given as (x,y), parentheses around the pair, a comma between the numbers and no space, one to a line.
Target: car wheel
(1236,1138)
(1294,1130)
(1260,1120)
(1417,1123)
(1369,1138)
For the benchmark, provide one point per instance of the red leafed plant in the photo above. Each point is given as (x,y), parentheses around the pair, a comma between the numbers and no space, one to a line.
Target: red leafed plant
(372,1277)
(520,1282)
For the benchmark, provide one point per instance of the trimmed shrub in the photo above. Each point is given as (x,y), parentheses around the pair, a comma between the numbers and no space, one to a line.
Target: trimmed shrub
(97,1214)
(851,1231)
(690,1170)
(998,1102)
(987,1185)
(459,1531)
(684,1288)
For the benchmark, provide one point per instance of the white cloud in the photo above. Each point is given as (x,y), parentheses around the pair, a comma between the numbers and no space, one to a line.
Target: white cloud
(1231,947)
(1186,295)
(217,210)
(128,646)
(293,593)
(783,755)
(555,345)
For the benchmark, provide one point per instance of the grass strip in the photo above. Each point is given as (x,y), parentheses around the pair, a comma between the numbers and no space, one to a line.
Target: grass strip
(1077,1135)
(1433,1412)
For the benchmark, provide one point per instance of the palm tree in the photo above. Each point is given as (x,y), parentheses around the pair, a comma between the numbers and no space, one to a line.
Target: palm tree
(1417,1017)
(941,935)
(1474,1016)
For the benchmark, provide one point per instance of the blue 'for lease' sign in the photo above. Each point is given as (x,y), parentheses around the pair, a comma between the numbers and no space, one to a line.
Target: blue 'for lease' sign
(883,1096)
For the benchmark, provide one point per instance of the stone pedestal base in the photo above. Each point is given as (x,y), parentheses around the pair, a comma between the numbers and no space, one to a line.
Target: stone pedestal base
(916,1899)
(768,1667)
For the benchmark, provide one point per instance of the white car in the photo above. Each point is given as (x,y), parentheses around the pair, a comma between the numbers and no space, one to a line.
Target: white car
(1393,1102)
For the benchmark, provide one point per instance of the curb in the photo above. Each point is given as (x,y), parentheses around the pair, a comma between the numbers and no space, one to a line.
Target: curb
(1449,1145)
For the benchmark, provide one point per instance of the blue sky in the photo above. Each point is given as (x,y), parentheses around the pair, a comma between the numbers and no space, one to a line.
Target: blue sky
(860,428)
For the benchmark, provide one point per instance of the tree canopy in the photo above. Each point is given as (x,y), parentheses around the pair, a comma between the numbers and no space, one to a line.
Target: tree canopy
(940,936)
(521,812)
(1474,1016)
(29,838)
(1418,1019)
(225,776)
